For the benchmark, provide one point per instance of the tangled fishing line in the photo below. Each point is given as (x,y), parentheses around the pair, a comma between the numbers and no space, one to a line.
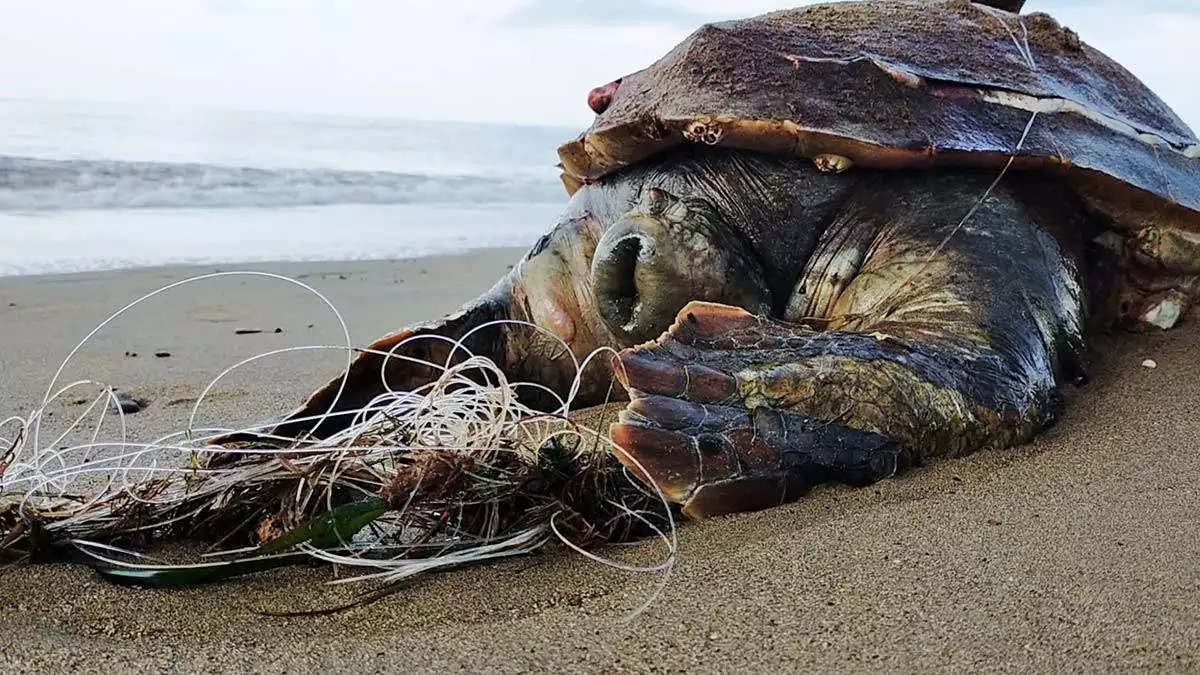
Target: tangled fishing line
(458,471)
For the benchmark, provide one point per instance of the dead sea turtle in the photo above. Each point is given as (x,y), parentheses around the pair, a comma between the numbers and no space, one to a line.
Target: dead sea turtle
(836,241)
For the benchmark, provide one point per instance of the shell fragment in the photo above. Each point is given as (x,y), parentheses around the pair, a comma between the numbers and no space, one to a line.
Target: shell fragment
(831,163)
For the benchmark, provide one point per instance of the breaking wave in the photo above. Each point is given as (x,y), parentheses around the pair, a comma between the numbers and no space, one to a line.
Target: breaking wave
(29,184)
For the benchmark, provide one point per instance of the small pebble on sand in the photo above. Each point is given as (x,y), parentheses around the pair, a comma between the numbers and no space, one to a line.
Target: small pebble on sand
(130,404)
(1150,363)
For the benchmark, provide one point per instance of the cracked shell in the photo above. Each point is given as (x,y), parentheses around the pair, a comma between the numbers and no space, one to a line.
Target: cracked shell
(905,84)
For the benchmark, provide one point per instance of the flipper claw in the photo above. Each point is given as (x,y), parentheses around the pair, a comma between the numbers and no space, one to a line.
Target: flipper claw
(717,459)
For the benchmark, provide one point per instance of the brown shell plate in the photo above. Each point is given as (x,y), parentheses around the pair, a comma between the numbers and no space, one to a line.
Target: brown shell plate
(896,84)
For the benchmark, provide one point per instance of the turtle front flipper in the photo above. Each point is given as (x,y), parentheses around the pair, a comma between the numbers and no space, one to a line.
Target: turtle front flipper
(733,412)
(716,458)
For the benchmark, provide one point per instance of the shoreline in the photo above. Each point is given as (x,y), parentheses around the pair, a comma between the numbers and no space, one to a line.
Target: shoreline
(280,264)
(1078,551)
(83,240)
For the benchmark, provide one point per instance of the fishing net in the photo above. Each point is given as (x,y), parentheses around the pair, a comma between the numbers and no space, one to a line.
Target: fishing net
(458,471)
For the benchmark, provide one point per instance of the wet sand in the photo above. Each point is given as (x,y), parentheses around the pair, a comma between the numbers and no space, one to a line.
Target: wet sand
(1080,552)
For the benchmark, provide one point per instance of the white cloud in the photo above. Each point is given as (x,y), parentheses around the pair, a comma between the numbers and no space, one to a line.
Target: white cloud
(450,59)
(371,57)
(1156,41)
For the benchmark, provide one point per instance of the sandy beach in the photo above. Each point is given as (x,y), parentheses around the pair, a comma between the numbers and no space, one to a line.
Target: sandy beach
(1080,552)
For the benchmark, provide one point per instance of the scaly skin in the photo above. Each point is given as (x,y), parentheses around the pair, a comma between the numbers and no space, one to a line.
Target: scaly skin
(727,397)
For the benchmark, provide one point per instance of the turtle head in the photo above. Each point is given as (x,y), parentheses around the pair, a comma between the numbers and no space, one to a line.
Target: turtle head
(583,285)
(664,253)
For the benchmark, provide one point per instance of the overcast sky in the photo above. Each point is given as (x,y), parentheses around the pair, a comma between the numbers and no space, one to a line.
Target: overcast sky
(482,60)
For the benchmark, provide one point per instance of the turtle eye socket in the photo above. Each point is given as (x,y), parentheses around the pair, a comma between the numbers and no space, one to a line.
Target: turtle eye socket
(615,283)
(662,255)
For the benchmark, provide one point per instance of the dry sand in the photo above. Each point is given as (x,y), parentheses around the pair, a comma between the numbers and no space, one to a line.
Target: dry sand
(1080,552)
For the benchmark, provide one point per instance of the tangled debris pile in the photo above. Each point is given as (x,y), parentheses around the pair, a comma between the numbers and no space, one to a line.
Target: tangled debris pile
(456,472)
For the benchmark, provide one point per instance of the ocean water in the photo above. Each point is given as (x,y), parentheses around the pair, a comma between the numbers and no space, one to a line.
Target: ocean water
(87,187)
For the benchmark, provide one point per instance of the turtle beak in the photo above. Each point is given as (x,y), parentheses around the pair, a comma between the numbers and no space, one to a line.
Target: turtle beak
(404,361)
(531,325)
(528,325)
